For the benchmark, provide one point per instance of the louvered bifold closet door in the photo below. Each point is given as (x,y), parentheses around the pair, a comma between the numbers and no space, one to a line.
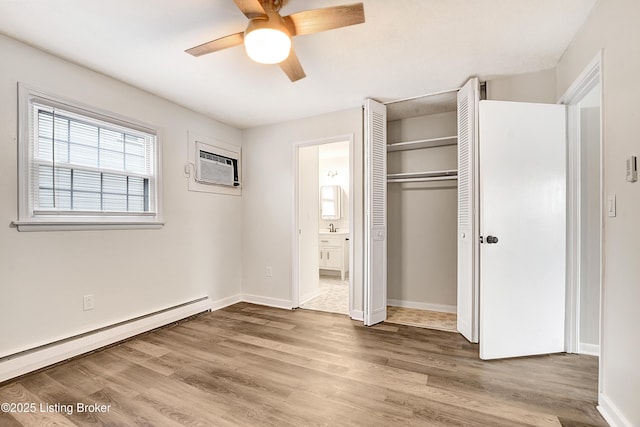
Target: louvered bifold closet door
(375,135)
(468,238)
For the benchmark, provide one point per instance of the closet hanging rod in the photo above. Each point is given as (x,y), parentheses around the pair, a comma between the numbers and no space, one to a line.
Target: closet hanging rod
(423,143)
(411,98)
(425,179)
(429,174)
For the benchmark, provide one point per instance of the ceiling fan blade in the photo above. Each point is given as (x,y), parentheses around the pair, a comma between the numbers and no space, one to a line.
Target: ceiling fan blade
(217,44)
(316,20)
(251,8)
(292,68)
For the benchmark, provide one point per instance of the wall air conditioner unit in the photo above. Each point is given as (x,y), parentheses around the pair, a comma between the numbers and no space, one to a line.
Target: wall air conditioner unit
(216,166)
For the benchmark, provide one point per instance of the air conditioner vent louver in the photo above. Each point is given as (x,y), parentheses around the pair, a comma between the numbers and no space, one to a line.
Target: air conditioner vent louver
(216,169)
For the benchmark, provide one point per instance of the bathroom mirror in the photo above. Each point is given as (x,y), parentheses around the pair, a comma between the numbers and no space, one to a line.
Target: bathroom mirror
(330,202)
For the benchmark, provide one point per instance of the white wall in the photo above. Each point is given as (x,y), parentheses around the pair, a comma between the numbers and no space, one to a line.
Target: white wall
(537,86)
(267,206)
(613,27)
(43,275)
(422,218)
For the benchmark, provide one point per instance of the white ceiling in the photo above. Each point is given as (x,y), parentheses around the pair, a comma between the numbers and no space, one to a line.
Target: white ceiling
(405,48)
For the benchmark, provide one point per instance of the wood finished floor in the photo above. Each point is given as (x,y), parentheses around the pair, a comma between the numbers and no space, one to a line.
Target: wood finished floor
(248,365)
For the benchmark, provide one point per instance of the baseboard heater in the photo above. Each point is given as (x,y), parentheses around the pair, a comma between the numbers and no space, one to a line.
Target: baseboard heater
(23,362)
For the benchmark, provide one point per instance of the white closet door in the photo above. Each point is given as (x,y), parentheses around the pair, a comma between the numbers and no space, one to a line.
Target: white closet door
(523,217)
(375,277)
(468,238)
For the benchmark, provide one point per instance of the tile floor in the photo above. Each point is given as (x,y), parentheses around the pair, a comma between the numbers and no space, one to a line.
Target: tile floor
(334,298)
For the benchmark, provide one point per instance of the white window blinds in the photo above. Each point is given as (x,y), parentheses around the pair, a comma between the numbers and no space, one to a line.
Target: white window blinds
(82,168)
(81,164)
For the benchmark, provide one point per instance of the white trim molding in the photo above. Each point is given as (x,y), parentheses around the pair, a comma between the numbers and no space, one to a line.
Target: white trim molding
(33,218)
(225,302)
(611,413)
(357,315)
(309,296)
(443,308)
(588,79)
(589,349)
(269,302)
(31,360)
(296,298)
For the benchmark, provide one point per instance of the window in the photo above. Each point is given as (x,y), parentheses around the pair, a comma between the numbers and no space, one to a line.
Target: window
(80,168)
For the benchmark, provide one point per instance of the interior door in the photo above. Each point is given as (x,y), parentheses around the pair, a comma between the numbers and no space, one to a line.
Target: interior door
(522,226)
(468,233)
(375,274)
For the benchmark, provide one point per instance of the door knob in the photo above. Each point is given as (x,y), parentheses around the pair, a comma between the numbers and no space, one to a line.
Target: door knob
(492,239)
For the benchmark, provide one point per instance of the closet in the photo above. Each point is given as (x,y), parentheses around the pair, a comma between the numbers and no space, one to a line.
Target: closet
(422,202)
(432,193)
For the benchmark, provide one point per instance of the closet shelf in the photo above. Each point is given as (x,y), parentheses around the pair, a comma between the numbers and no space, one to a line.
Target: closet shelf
(443,175)
(423,143)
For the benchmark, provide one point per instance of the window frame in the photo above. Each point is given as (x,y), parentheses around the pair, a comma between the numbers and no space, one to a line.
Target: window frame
(31,219)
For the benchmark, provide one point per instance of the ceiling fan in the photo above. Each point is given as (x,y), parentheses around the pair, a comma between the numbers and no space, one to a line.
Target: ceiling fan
(267,38)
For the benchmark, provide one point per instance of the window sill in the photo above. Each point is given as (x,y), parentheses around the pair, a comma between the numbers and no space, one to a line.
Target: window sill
(85,225)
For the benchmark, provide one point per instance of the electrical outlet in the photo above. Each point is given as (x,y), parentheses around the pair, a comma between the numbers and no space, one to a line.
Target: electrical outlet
(88,302)
(269,272)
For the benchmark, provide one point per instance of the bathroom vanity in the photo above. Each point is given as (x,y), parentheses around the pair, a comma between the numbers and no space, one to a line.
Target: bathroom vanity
(334,251)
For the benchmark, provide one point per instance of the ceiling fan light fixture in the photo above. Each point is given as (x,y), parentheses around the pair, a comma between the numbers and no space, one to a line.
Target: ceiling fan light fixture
(267,41)
(267,46)
(267,38)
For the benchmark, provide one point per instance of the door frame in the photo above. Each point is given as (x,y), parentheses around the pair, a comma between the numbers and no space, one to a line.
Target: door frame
(295,274)
(586,81)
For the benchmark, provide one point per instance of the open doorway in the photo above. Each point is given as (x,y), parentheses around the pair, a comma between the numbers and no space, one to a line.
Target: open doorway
(323,226)
(585,213)
(590,223)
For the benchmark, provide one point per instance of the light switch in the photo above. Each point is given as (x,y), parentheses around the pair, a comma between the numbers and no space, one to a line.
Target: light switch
(632,169)
(611,205)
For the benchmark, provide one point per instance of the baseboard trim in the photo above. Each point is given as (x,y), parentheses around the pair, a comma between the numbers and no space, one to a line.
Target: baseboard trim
(225,302)
(611,413)
(309,296)
(422,306)
(28,361)
(357,315)
(589,349)
(269,302)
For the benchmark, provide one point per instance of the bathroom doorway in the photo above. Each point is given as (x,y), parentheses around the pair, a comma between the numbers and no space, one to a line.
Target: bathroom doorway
(323,216)
(586,211)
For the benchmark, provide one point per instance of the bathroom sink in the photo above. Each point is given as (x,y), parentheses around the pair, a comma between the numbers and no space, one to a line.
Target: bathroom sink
(338,231)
